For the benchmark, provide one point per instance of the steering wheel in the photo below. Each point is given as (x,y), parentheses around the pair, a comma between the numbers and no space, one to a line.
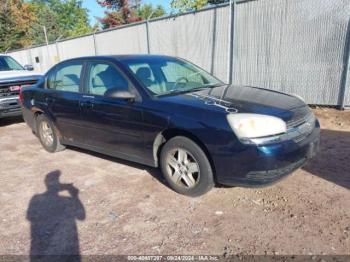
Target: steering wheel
(179,80)
(182,78)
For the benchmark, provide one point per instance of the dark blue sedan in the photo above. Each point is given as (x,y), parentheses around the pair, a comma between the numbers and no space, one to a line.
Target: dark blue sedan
(165,112)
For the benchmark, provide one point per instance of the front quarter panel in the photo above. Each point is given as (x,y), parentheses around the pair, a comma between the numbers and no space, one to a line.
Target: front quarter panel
(211,128)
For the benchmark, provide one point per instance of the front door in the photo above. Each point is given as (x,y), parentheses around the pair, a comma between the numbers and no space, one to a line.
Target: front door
(113,126)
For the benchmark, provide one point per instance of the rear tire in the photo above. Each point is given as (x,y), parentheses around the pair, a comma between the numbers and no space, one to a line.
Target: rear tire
(185,167)
(47,135)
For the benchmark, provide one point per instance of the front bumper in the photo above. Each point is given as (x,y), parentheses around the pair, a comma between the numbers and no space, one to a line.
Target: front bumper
(263,165)
(9,107)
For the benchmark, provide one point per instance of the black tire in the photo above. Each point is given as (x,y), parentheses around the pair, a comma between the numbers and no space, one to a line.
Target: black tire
(204,180)
(56,145)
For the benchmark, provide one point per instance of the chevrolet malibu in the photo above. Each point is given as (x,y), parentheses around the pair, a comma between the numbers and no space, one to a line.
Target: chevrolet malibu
(165,112)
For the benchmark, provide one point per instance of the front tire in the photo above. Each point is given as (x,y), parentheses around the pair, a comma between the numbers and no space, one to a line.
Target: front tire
(47,135)
(185,167)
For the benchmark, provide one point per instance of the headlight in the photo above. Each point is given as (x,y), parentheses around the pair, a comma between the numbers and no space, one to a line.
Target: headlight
(248,127)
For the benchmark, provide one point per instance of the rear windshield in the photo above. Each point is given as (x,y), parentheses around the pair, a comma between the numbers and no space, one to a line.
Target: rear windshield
(7,63)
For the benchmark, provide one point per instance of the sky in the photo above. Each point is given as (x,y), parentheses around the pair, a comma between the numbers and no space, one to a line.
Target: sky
(96,10)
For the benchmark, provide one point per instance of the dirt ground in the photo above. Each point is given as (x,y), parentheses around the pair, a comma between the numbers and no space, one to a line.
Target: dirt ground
(124,208)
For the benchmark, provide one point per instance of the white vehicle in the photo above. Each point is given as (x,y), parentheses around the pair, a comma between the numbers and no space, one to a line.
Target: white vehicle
(13,77)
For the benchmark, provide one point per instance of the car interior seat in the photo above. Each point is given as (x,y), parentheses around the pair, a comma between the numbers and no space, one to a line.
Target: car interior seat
(108,79)
(144,74)
(70,82)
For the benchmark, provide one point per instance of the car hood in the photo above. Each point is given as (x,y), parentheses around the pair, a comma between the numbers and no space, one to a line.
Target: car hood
(18,74)
(241,99)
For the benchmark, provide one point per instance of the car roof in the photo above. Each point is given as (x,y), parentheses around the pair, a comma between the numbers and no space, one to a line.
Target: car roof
(121,58)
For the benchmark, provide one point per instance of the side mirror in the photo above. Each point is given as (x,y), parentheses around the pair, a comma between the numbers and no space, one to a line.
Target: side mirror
(29,67)
(116,93)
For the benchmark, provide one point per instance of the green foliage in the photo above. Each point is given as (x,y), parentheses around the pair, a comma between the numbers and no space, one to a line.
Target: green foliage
(127,11)
(15,21)
(189,5)
(44,16)
(72,19)
(21,22)
(62,18)
(148,11)
(117,5)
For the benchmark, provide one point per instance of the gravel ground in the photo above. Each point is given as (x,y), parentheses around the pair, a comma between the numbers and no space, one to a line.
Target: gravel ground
(80,202)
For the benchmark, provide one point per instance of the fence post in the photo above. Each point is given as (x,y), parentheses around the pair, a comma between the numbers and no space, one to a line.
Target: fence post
(147,36)
(147,31)
(213,48)
(345,74)
(94,37)
(230,42)
(29,55)
(57,49)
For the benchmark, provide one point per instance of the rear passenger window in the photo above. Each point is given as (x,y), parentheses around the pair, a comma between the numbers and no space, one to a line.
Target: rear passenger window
(66,78)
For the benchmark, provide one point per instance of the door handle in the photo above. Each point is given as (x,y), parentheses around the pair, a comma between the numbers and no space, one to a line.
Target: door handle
(87,104)
(49,100)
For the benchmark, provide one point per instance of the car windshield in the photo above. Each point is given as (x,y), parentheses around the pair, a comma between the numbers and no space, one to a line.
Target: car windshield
(164,76)
(7,63)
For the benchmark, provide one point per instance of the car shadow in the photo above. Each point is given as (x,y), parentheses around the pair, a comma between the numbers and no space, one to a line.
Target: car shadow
(154,172)
(52,218)
(332,162)
(11,120)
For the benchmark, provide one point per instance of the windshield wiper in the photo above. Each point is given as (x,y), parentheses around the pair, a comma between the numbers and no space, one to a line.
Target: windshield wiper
(205,87)
(181,91)
(213,85)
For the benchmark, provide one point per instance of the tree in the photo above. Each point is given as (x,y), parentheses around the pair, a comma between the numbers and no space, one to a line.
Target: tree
(15,22)
(64,18)
(122,12)
(22,21)
(72,19)
(44,16)
(148,11)
(119,4)
(127,11)
(188,5)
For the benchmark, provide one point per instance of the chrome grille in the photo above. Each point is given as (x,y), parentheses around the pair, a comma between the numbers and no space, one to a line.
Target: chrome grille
(300,116)
(5,90)
(301,131)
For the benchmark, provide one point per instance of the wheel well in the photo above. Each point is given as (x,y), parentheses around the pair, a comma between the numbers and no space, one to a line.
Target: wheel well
(37,114)
(168,134)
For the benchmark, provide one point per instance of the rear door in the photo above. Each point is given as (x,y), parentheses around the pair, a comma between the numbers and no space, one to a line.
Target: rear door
(112,125)
(63,99)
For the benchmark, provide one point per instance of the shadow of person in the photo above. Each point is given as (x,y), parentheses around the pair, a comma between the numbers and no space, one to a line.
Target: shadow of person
(53,221)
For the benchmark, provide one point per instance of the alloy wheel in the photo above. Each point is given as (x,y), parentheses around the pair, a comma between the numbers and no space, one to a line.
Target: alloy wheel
(46,133)
(183,168)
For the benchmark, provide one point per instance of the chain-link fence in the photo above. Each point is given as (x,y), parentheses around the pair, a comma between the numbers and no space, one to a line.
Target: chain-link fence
(299,47)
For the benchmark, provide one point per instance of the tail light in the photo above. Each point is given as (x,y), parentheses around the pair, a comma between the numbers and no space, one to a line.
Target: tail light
(21,92)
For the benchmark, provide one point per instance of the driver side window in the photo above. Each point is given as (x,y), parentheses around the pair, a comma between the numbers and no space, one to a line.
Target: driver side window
(102,77)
